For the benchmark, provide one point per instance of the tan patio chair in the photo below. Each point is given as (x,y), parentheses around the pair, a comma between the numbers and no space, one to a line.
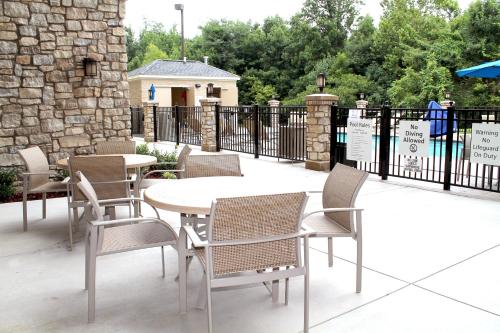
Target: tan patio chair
(113,236)
(108,175)
(250,235)
(179,170)
(337,216)
(36,180)
(115,147)
(213,165)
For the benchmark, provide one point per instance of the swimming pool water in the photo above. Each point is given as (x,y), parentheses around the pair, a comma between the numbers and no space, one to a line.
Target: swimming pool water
(437,147)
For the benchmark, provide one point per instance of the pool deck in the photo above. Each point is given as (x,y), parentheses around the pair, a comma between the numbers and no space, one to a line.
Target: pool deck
(430,265)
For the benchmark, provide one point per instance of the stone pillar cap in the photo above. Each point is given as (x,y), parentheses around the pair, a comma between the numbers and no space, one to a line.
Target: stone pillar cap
(149,103)
(210,100)
(322,97)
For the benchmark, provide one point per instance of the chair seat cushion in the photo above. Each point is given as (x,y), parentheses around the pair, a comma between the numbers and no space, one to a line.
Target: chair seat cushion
(323,225)
(50,187)
(135,236)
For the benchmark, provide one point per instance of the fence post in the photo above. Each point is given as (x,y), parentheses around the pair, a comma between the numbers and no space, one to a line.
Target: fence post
(177,125)
(333,135)
(449,147)
(385,141)
(217,127)
(256,130)
(155,124)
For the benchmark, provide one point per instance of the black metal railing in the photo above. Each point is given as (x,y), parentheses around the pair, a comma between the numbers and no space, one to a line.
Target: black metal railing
(179,124)
(263,130)
(137,120)
(448,161)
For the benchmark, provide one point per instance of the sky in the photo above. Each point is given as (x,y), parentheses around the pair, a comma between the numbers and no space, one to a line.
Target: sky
(198,12)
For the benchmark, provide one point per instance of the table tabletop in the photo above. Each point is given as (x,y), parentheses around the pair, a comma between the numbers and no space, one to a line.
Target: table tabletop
(195,195)
(131,160)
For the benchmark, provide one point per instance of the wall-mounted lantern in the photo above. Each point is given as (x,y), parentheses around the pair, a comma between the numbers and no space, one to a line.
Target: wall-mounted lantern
(361,96)
(210,90)
(151,92)
(447,95)
(90,67)
(321,81)
(197,85)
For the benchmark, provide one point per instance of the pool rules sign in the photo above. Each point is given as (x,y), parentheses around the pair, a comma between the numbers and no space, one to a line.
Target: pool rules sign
(414,142)
(485,144)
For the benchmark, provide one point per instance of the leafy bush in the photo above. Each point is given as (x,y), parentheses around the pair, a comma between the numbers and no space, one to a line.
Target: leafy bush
(169,175)
(7,179)
(166,161)
(142,149)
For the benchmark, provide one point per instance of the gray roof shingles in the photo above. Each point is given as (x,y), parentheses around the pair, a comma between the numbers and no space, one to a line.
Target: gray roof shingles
(180,68)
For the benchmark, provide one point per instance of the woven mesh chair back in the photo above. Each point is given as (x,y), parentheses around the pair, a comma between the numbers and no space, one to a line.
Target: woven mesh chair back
(115,147)
(252,218)
(212,165)
(100,169)
(181,160)
(88,191)
(340,191)
(35,161)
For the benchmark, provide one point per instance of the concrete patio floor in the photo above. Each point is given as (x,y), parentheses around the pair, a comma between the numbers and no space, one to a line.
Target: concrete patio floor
(430,265)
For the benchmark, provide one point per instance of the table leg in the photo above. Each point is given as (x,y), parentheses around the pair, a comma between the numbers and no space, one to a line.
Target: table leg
(182,250)
(137,191)
(275,290)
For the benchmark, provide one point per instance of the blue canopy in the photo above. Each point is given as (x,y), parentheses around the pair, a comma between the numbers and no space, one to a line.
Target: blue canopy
(437,116)
(152,89)
(488,70)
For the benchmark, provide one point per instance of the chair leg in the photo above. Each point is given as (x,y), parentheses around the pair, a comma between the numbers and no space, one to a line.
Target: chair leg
(306,284)
(201,303)
(87,259)
(25,211)
(209,303)
(163,261)
(44,205)
(287,290)
(92,275)
(359,262)
(330,251)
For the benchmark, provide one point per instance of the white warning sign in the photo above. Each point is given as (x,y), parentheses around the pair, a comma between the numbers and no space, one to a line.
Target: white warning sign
(414,138)
(485,144)
(359,140)
(413,164)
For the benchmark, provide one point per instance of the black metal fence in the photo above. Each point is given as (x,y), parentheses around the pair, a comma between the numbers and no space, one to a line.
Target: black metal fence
(281,132)
(137,120)
(263,130)
(449,156)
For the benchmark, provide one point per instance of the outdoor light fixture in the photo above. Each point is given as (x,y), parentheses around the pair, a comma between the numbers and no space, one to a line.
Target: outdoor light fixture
(362,96)
(180,6)
(197,85)
(447,95)
(210,90)
(90,67)
(150,94)
(321,81)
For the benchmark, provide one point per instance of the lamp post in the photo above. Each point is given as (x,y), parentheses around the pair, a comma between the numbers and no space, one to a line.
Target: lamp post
(321,81)
(180,6)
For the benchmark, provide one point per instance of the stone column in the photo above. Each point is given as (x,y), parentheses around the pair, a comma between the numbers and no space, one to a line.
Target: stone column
(318,131)
(275,117)
(148,121)
(208,140)
(447,103)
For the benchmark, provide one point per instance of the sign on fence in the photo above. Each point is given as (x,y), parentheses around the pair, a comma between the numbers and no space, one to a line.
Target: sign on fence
(414,138)
(485,144)
(359,140)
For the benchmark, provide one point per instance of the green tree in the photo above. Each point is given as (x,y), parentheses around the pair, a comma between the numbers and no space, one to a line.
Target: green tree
(153,53)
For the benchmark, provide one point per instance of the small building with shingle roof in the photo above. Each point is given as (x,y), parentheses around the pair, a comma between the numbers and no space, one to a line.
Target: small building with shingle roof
(181,83)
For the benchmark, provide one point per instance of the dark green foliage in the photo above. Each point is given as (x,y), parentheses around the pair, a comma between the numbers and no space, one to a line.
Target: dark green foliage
(409,58)
(7,179)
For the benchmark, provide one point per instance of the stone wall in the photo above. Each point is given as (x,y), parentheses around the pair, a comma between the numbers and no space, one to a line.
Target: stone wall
(45,98)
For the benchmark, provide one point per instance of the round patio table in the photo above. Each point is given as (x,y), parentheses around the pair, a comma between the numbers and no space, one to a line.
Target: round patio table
(195,195)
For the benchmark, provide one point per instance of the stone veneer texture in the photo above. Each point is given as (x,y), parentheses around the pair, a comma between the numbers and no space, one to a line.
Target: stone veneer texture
(45,99)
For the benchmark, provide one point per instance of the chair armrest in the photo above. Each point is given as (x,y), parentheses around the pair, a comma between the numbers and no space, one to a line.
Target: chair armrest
(120,200)
(195,238)
(66,181)
(314,192)
(129,221)
(332,210)
(39,173)
(306,229)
